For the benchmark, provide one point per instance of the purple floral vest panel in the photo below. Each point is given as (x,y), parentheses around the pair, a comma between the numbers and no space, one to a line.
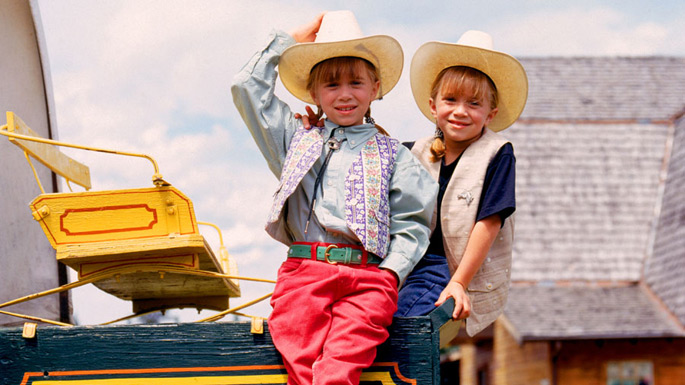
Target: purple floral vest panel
(367,211)
(305,149)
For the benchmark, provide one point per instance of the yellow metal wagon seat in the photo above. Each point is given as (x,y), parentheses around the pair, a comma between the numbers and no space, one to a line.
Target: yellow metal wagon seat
(141,245)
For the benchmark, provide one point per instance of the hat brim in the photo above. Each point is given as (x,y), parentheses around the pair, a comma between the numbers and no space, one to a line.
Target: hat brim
(505,71)
(297,61)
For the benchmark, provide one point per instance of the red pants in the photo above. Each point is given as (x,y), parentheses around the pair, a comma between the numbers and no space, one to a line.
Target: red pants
(327,320)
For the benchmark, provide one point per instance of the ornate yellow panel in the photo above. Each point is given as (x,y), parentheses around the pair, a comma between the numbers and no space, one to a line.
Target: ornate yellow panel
(84,217)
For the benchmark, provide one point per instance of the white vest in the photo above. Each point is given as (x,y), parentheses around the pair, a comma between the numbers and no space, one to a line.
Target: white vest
(489,288)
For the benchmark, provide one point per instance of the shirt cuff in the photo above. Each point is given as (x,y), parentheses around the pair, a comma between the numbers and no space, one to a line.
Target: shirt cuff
(281,40)
(400,264)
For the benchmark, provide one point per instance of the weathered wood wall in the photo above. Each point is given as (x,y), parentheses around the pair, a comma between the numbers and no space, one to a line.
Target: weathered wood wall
(28,260)
(575,362)
(476,362)
(515,364)
(585,362)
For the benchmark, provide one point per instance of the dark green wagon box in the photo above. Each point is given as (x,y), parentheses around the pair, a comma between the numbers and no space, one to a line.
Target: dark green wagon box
(199,353)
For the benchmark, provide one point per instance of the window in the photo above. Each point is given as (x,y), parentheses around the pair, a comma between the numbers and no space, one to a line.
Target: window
(483,376)
(630,373)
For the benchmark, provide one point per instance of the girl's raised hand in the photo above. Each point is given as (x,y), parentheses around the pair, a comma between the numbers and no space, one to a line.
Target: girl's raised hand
(462,303)
(307,32)
(310,117)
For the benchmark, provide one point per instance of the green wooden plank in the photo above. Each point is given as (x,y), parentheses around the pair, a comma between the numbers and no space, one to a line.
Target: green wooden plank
(197,350)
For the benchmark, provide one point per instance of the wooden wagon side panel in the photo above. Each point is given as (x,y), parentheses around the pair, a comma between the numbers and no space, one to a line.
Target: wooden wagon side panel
(193,353)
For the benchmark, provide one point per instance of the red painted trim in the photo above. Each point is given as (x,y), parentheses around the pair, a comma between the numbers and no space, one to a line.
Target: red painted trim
(161,370)
(107,208)
(27,375)
(395,366)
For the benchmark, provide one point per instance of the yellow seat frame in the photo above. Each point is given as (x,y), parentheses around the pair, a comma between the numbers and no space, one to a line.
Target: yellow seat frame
(147,238)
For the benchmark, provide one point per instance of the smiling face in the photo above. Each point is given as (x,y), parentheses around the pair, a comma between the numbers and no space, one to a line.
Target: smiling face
(463,101)
(344,88)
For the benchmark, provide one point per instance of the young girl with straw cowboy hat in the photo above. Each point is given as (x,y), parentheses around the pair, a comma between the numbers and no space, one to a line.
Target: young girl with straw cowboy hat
(470,92)
(353,205)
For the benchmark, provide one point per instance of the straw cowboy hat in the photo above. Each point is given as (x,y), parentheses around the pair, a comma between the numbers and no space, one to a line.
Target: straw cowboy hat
(340,35)
(474,49)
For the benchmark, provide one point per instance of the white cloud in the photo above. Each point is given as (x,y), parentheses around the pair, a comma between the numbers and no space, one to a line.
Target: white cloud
(580,32)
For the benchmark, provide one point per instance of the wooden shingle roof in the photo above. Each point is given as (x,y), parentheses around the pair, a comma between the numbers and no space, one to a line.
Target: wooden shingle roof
(600,151)
(605,88)
(587,312)
(586,195)
(665,266)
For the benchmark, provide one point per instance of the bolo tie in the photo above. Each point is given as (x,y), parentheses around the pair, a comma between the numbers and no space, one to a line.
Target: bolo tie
(333,145)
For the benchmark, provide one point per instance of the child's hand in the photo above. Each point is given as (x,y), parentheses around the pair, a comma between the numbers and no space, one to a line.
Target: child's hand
(307,32)
(310,117)
(462,303)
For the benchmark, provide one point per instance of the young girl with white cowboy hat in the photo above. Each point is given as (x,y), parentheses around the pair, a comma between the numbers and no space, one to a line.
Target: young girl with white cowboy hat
(353,205)
(470,92)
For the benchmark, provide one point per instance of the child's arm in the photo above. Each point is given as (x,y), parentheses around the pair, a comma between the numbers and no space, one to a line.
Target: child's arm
(269,119)
(477,248)
(413,196)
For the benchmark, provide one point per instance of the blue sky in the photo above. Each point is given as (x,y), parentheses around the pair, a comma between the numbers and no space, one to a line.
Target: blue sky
(153,76)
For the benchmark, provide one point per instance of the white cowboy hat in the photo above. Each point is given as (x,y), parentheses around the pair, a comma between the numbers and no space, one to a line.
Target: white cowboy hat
(474,49)
(340,35)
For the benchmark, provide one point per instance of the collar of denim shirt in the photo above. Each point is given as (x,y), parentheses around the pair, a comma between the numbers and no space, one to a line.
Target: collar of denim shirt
(355,135)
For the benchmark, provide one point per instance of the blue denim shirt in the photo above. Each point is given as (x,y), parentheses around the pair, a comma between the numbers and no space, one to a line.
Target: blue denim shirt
(412,191)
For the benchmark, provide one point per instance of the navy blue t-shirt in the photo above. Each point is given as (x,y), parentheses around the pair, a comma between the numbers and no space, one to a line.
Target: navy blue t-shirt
(497,197)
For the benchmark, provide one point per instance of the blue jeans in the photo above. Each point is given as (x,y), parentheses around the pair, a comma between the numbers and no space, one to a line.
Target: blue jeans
(423,286)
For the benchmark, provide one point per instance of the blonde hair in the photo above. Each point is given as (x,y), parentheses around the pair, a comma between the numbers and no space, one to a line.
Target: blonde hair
(456,81)
(338,67)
